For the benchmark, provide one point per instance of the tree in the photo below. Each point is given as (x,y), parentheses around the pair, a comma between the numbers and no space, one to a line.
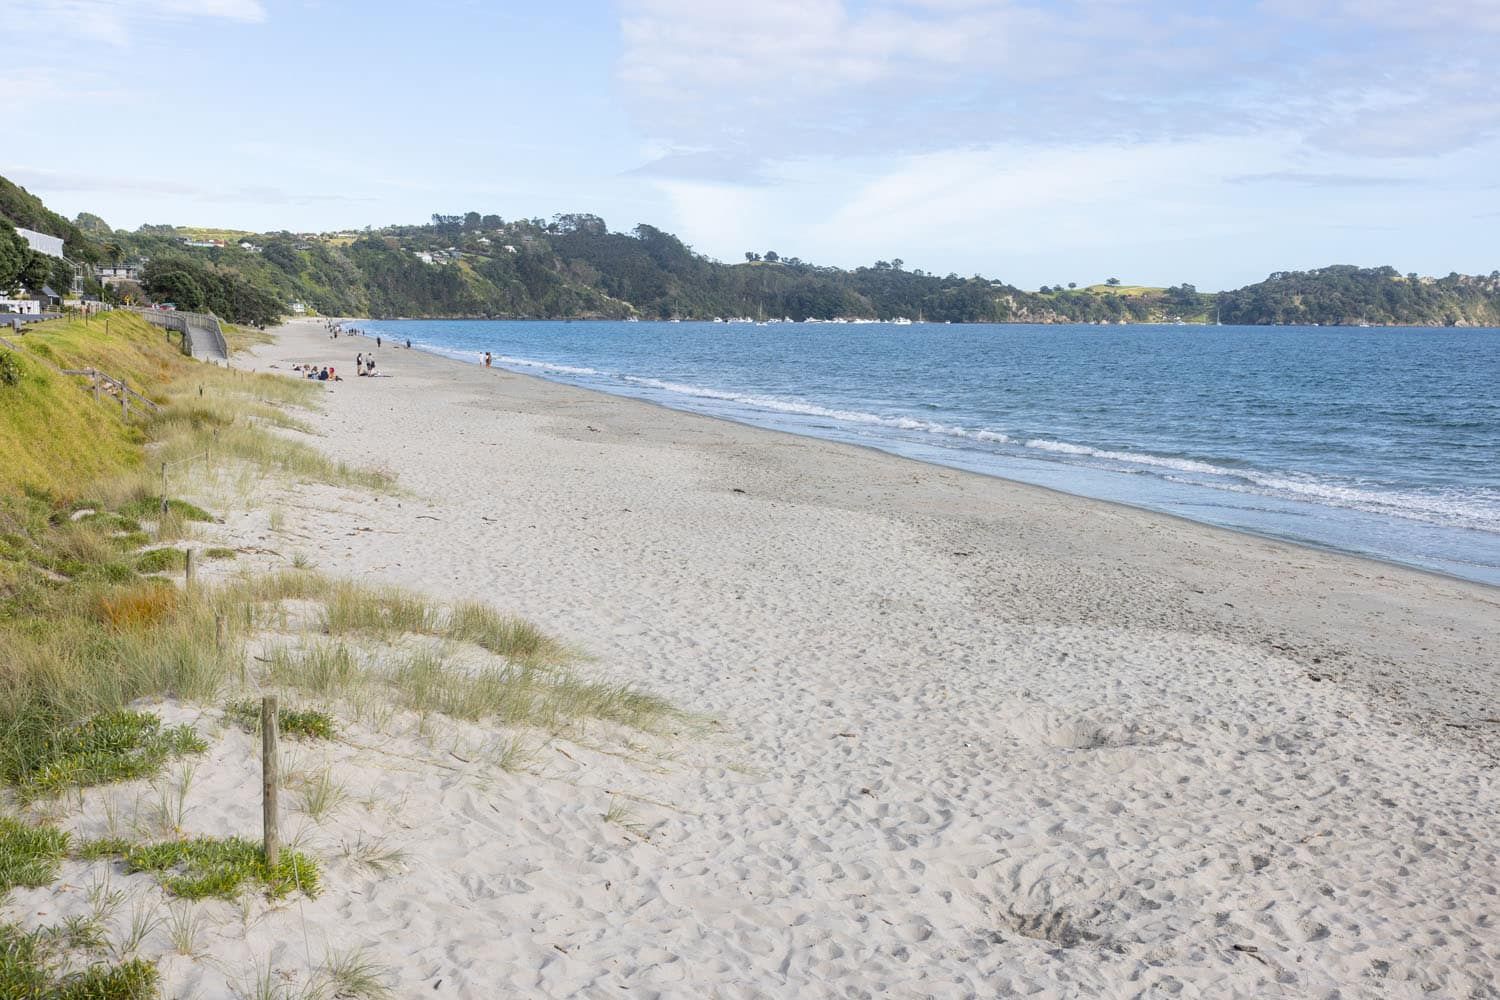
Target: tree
(1072,284)
(176,285)
(92,224)
(751,256)
(37,270)
(1112,282)
(897,263)
(14,255)
(471,220)
(772,256)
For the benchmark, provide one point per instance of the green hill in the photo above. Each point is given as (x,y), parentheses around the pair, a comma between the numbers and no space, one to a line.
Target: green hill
(574,266)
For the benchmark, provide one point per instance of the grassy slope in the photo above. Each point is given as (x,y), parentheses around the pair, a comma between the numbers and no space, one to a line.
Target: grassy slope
(1131,290)
(54,436)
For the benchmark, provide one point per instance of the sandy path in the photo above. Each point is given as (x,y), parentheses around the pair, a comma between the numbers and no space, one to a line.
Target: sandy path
(979,739)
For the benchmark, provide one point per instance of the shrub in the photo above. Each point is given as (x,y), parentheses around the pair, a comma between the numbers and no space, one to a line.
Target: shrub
(150,508)
(139,606)
(161,561)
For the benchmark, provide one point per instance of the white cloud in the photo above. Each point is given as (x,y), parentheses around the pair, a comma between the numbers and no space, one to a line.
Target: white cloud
(113,21)
(797,78)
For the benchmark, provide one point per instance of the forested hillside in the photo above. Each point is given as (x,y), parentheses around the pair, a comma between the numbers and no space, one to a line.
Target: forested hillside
(1343,295)
(573,266)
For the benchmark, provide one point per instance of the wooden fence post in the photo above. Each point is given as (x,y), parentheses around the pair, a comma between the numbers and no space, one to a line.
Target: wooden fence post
(268,769)
(164,487)
(187,570)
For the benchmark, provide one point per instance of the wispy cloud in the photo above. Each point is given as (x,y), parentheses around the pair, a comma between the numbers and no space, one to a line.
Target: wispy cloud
(1322,180)
(65,181)
(788,78)
(114,21)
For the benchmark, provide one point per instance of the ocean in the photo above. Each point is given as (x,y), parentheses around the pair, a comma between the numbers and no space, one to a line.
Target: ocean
(1381,442)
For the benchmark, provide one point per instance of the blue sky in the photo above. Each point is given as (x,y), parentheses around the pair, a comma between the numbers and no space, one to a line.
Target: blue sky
(1040,142)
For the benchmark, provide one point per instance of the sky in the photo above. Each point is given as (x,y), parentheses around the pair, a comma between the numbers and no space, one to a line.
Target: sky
(1158,141)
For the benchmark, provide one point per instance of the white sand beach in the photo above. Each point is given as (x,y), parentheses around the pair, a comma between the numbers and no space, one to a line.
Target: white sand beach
(961,737)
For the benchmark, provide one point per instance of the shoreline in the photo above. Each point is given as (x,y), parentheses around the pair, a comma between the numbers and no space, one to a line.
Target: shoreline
(1297,543)
(1328,567)
(858,321)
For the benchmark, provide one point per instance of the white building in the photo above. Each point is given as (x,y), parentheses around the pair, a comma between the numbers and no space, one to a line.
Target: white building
(25,307)
(52,246)
(113,274)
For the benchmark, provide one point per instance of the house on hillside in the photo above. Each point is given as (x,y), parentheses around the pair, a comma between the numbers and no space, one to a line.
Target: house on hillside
(52,246)
(114,274)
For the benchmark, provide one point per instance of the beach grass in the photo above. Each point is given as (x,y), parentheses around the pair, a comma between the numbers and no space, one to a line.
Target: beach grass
(111,746)
(29,855)
(90,627)
(34,966)
(295,723)
(213,867)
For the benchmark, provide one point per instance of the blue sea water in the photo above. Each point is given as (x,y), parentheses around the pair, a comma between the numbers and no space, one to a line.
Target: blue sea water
(1383,442)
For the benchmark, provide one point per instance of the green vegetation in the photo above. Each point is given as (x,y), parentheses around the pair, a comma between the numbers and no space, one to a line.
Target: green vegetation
(33,967)
(476,265)
(307,724)
(84,634)
(112,746)
(29,855)
(1345,295)
(150,506)
(211,867)
(161,561)
(200,286)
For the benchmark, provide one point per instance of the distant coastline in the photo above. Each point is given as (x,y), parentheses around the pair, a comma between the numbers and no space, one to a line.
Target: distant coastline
(475,266)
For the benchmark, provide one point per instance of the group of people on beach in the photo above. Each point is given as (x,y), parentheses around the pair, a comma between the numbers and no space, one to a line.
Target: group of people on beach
(325,374)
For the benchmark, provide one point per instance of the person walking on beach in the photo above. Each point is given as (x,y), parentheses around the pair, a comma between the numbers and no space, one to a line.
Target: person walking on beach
(359,361)
(377,341)
(486,359)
